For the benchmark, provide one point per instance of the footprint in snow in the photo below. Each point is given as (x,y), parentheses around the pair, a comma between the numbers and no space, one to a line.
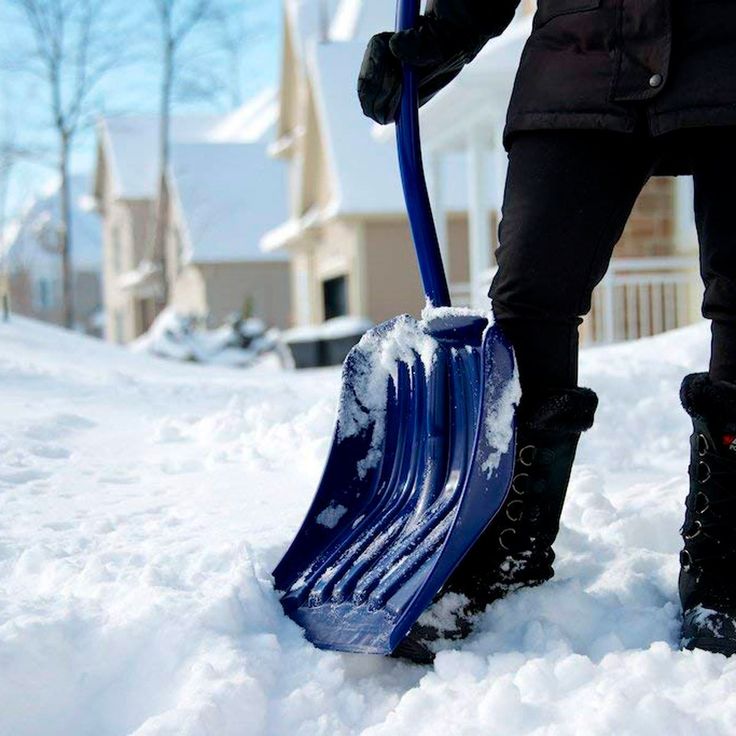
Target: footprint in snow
(24,475)
(58,427)
(50,451)
(120,480)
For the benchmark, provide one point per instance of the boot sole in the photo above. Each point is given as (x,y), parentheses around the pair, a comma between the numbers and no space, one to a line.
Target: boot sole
(725,647)
(413,651)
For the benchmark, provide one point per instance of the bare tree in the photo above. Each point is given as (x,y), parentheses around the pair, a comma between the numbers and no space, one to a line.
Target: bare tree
(7,163)
(236,24)
(12,153)
(177,20)
(71,51)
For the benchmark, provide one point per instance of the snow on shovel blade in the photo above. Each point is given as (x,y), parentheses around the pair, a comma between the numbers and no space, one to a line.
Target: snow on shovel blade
(421,462)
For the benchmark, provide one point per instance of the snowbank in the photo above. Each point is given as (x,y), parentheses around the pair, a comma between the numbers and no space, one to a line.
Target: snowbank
(144,502)
(239,343)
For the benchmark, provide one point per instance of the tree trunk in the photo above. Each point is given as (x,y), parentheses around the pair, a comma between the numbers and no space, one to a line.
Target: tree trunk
(164,158)
(65,236)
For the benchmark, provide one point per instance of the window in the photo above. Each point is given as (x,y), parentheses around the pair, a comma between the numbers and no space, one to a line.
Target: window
(335,296)
(47,294)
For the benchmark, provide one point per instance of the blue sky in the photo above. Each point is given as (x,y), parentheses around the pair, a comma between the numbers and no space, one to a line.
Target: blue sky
(132,89)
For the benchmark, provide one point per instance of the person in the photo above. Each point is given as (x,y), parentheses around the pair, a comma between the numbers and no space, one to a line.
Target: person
(606,95)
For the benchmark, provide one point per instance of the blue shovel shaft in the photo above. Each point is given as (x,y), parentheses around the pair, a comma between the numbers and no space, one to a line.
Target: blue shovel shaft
(423,231)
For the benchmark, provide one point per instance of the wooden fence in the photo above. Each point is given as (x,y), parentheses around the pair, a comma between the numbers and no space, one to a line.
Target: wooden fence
(637,298)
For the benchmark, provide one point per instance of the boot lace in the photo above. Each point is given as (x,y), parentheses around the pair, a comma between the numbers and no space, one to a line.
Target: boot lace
(708,531)
(523,546)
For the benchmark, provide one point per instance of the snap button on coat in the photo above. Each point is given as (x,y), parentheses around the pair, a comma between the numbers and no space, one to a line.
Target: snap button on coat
(606,64)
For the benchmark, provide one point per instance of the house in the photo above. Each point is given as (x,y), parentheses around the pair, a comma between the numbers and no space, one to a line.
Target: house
(346,234)
(215,266)
(34,263)
(126,190)
(653,282)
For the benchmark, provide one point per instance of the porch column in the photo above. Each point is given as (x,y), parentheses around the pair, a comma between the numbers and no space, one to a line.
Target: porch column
(436,185)
(479,234)
(500,166)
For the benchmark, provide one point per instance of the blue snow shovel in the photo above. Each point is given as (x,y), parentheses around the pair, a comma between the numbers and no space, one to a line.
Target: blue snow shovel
(422,455)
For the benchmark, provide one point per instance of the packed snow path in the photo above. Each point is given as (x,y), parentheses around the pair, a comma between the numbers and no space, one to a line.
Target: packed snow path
(143,504)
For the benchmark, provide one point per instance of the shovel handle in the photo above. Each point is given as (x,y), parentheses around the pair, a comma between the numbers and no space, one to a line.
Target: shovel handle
(423,231)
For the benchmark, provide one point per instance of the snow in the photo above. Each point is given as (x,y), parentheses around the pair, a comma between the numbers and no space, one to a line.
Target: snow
(252,121)
(377,359)
(132,141)
(331,329)
(499,423)
(330,515)
(238,344)
(360,19)
(143,504)
(365,167)
(230,195)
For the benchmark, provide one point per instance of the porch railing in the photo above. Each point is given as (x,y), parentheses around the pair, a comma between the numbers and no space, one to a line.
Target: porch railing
(638,297)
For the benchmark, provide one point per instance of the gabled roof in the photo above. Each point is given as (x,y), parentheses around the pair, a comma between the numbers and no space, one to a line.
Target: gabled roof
(131,143)
(229,195)
(360,19)
(364,169)
(35,230)
(338,20)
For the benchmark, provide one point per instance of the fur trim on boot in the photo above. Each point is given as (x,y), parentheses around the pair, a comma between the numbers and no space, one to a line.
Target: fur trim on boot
(568,411)
(714,401)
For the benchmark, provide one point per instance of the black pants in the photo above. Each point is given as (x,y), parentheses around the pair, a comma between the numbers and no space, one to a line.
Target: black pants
(567,198)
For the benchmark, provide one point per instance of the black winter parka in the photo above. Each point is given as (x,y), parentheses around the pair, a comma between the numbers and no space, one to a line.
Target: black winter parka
(604,63)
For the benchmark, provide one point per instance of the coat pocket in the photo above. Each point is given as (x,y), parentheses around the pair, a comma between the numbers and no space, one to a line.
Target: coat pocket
(548,9)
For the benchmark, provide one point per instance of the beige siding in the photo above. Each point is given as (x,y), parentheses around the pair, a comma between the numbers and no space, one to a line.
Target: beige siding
(217,290)
(391,271)
(459,255)
(392,279)
(315,181)
(125,242)
(189,292)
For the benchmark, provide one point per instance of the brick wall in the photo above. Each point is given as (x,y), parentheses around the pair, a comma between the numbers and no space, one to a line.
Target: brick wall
(650,229)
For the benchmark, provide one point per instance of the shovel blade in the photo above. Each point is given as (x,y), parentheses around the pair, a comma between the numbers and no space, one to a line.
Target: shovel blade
(414,476)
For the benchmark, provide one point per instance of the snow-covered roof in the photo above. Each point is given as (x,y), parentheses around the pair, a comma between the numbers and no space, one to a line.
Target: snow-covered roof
(35,232)
(482,91)
(360,19)
(230,194)
(306,18)
(338,20)
(132,142)
(364,169)
(252,121)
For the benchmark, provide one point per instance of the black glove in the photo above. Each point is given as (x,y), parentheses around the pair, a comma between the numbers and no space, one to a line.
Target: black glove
(447,37)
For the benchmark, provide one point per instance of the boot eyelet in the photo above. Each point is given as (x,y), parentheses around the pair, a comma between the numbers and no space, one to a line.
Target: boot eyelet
(702,495)
(509,515)
(694,534)
(524,454)
(703,446)
(703,472)
(686,560)
(515,483)
(501,542)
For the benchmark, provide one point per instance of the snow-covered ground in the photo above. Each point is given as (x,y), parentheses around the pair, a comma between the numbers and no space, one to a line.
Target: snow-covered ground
(143,504)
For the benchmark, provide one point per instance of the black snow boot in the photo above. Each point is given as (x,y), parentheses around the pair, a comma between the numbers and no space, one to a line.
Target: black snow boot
(707,563)
(515,550)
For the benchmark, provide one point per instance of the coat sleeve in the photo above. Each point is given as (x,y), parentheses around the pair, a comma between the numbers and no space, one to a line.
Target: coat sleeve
(489,17)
